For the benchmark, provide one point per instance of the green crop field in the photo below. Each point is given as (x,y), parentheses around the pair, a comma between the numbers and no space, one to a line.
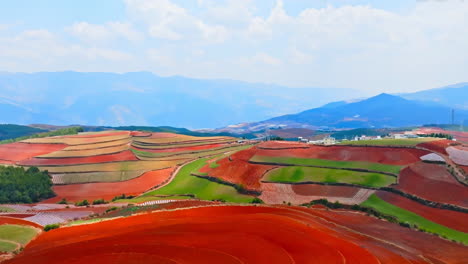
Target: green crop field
(302,174)
(184,183)
(152,198)
(414,219)
(6,209)
(329,163)
(17,233)
(6,246)
(86,221)
(191,154)
(389,142)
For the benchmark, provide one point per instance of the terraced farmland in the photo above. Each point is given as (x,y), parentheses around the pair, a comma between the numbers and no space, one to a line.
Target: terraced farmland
(88,164)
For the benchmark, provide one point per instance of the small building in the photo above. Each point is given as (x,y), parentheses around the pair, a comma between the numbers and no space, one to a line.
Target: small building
(329,141)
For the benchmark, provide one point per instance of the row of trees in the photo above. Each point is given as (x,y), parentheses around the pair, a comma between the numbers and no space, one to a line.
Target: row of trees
(20,185)
(437,135)
(59,132)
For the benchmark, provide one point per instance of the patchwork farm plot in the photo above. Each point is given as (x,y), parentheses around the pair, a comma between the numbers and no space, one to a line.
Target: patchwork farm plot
(149,171)
(104,164)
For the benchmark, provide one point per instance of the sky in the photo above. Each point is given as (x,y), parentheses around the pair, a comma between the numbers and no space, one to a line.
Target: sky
(374,46)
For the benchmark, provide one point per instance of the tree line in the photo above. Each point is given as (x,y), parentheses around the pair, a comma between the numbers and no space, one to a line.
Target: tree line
(20,185)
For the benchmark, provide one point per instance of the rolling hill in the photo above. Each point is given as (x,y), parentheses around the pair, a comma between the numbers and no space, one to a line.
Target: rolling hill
(143,98)
(380,111)
(455,96)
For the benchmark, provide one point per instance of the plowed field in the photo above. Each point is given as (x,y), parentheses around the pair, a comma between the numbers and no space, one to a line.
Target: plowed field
(20,151)
(126,155)
(391,156)
(238,234)
(453,219)
(433,182)
(107,191)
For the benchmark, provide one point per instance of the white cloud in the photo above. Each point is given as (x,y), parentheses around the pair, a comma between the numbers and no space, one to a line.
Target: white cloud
(166,20)
(93,33)
(352,46)
(264,58)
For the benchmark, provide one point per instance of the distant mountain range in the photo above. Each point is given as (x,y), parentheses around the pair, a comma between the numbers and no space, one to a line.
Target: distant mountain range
(381,111)
(453,96)
(145,99)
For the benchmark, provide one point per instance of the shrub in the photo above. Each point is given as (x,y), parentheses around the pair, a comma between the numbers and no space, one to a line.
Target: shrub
(257,200)
(99,201)
(82,203)
(113,208)
(63,201)
(122,196)
(51,226)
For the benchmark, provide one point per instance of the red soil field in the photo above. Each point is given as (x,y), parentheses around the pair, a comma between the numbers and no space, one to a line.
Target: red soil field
(126,155)
(162,135)
(17,215)
(449,218)
(172,149)
(116,133)
(237,169)
(16,221)
(438,145)
(391,156)
(411,244)
(465,168)
(8,162)
(324,190)
(230,234)
(282,145)
(140,134)
(20,151)
(433,182)
(108,190)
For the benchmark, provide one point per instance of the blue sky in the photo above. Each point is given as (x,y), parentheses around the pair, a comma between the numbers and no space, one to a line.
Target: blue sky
(376,46)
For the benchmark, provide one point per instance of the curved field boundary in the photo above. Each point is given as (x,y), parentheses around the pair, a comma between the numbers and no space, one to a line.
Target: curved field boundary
(180,148)
(125,155)
(297,174)
(174,154)
(109,190)
(422,223)
(98,134)
(75,141)
(96,177)
(279,193)
(177,145)
(323,183)
(112,166)
(20,151)
(16,221)
(84,153)
(459,156)
(452,219)
(207,153)
(324,167)
(171,141)
(220,181)
(426,202)
(115,143)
